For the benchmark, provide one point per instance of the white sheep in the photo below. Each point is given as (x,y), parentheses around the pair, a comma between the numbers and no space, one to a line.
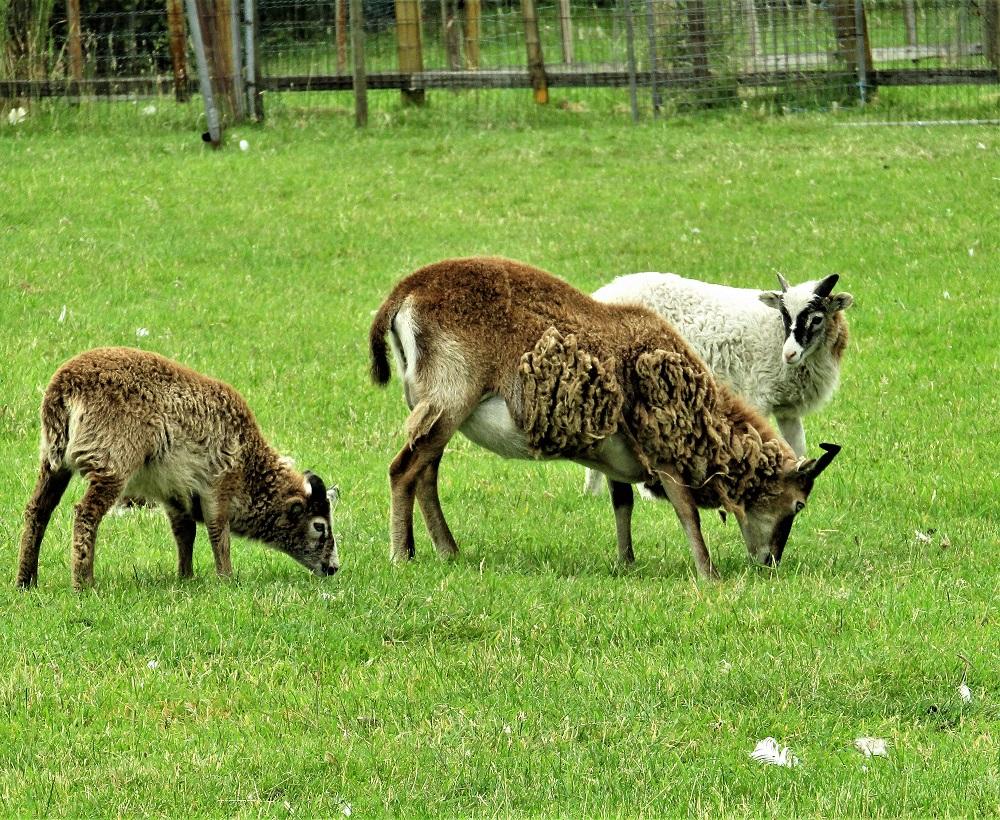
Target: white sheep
(780,350)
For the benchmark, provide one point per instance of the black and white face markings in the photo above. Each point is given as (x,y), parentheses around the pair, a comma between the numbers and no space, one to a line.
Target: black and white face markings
(803,310)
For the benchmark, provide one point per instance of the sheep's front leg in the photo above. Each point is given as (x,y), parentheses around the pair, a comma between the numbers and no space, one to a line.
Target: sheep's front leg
(183,526)
(622,500)
(793,432)
(49,490)
(687,512)
(100,497)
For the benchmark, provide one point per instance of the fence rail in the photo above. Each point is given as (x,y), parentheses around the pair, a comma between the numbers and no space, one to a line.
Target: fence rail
(682,54)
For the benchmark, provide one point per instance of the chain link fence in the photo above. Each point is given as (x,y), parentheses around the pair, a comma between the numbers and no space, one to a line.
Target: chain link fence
(876,60)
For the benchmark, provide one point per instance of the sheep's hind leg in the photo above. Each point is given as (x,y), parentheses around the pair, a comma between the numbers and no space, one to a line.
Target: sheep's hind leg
(183,527)
(687,512)
(592,481)
(793,432)
(49,490)
(429,434)
(622,500)
(100,497)
(430,507)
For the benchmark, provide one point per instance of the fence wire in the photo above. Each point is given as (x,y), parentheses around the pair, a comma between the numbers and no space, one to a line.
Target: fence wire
(879,59)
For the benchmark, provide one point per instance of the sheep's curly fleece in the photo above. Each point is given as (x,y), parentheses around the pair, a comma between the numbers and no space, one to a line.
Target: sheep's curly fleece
(681,417)
(569,399)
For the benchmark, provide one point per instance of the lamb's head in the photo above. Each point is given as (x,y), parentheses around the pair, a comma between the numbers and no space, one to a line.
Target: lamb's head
(807,311)
(766,525)
(303,526)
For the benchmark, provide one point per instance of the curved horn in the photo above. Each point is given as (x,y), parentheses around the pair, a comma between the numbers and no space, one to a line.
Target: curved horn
(783,282)
(825,287)
(829,454)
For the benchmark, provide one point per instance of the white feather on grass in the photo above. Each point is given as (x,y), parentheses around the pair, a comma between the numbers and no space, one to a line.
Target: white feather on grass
(965,693)
(871,746)
(768,751)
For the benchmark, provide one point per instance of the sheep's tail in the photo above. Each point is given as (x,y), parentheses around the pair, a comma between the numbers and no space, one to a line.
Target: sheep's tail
(55,428)
(376,336)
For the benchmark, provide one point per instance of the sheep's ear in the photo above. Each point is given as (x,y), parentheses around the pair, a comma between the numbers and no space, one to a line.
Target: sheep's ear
(771,299)
(839,301)
(825,286)
(333,494)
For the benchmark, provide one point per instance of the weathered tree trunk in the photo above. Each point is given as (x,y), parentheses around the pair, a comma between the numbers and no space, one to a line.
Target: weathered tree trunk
(216,32)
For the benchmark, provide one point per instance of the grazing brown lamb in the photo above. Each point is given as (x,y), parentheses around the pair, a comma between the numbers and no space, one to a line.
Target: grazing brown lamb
(529,367)
(135,423)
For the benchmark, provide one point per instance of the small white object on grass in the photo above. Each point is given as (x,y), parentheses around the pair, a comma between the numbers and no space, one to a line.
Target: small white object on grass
(62,314)
(871,746)
(346,810)
(141,332)
(17,115)
(965,693)
(768,751)
(149,110)
(244,145)
(154,664)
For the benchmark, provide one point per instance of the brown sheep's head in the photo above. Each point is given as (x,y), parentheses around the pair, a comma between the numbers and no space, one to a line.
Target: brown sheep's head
(304,528)
(766,526)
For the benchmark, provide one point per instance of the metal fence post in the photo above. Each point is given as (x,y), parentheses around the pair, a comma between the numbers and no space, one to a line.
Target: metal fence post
(255,102)
(653,61)
(204,79)
(630,49)
(859,39)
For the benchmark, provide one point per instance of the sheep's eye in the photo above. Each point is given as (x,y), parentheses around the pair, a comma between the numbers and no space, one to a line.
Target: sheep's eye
(799,505)
(296,508)
(816,320)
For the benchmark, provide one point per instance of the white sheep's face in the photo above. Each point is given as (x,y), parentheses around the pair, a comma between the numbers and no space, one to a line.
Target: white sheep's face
(806,311)
(767,526)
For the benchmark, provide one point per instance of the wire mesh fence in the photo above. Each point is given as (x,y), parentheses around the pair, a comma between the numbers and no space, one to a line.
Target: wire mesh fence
(877,59)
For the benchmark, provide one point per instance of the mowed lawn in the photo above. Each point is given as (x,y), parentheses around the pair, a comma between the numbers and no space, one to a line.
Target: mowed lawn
(532,675)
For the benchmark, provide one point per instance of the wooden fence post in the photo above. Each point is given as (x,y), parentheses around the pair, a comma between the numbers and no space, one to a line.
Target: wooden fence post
(533,43)
(73,43)
(851,31)
(238,83)
(451,34)
(178,49)
(566,30)
(360,78)
(408,46)
(991,32)
(472,16)
(340,29)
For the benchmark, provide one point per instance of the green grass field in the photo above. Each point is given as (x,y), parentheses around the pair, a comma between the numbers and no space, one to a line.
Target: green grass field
(532,676)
